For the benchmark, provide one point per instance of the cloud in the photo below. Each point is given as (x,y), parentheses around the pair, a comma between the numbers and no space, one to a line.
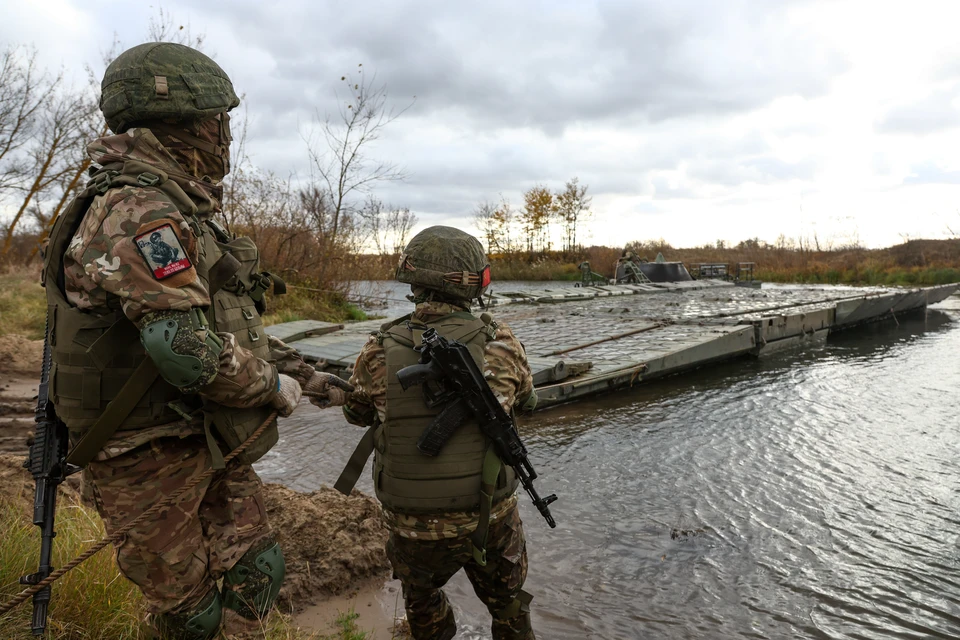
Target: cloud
(683,107)
(934,112)
(930,173)
(537,65)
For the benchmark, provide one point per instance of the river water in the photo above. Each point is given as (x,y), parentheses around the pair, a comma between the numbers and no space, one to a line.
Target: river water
(809,495)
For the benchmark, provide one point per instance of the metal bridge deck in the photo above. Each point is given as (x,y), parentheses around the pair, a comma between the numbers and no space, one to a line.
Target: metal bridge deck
(587,340)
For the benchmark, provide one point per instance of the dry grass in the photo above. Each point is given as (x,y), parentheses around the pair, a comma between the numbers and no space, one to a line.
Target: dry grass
(23,305)
(918,262)
(93,601)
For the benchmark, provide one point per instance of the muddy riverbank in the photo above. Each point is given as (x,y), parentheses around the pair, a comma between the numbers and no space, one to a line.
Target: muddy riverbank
(333,544)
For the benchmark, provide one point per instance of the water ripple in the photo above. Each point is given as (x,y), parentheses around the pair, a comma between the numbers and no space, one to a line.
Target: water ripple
(809,495)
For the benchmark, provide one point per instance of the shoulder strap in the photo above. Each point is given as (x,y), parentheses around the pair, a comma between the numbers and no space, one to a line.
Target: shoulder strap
(488,485)
(351,473)
(115,413)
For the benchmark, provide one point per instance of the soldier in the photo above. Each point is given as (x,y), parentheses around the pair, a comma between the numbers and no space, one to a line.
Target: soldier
(160,252)
(160,363)
(432,506)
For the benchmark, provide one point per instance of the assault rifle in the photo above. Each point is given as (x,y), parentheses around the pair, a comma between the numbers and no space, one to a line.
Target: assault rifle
(47,463)
(451,379)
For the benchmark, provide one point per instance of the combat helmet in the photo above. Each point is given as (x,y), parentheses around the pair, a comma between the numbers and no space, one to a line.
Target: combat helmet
(163,81)
(445,260)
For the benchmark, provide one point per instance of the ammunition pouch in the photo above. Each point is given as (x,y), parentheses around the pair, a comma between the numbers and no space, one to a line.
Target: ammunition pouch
(231,269)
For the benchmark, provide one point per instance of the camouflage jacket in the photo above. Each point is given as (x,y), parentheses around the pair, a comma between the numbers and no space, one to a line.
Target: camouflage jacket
(102,266)
(507,372)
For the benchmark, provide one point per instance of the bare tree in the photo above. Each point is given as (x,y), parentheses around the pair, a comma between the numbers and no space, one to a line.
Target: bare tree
(495,222)
(61,122)
(163,27)
(571,206)
(387,228)
(24,89)
(341,169)
(44,127)
(484,215)
(401,223)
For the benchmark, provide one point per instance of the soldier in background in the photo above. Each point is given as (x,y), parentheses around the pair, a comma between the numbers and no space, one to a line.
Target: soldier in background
(160,363)
(438,520)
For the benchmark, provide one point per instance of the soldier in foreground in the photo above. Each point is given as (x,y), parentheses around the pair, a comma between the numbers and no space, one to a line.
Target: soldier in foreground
(160,363)
(432,506)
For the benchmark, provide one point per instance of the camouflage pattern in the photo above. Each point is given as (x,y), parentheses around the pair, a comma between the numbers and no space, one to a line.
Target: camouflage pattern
(103,268)
(504,366)
(193,86)
(446,260)
(456,524)
(288,361)
(243,380)
(426,550)
(424,567)
(102,262)
(215,136)
(202,536)
(176,559)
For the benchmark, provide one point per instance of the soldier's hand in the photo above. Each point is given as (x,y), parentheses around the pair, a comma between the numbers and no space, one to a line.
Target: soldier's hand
(327,390)
(287,397)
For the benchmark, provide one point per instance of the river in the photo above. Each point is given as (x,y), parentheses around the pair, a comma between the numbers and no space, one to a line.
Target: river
(809,495)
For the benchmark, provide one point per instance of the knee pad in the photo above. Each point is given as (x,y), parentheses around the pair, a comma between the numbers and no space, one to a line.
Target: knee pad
(200,623)
(253,584)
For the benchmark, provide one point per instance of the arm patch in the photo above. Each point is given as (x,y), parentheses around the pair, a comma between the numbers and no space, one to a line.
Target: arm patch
(164,254)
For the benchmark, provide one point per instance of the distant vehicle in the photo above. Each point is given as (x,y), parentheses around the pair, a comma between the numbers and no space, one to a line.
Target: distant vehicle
(743,275)
(631,269)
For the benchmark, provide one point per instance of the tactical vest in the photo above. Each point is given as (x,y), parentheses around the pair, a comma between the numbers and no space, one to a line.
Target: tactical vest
(407,481)
(101,380)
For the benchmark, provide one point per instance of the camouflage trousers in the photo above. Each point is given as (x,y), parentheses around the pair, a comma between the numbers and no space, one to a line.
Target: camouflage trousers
(424,566)
(177,558)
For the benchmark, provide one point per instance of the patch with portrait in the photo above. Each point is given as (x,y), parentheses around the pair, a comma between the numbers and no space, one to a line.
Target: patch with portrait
(163,252)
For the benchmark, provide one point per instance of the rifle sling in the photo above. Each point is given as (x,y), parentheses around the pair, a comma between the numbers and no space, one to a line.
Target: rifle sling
(114,414)
(351,473)
(488,485)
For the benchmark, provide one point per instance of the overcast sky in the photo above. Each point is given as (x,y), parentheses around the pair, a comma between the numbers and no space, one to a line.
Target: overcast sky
(694,121)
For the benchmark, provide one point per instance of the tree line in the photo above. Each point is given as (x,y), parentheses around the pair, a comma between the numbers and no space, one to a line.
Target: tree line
(508,231)
(310,228)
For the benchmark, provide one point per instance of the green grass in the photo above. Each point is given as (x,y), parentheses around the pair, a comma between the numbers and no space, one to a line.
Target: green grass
(302,304)
(94,602)
(23,305)
(347,626)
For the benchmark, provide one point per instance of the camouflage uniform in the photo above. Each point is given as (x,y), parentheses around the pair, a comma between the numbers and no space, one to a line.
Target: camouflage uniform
(177,559)
(426,550)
